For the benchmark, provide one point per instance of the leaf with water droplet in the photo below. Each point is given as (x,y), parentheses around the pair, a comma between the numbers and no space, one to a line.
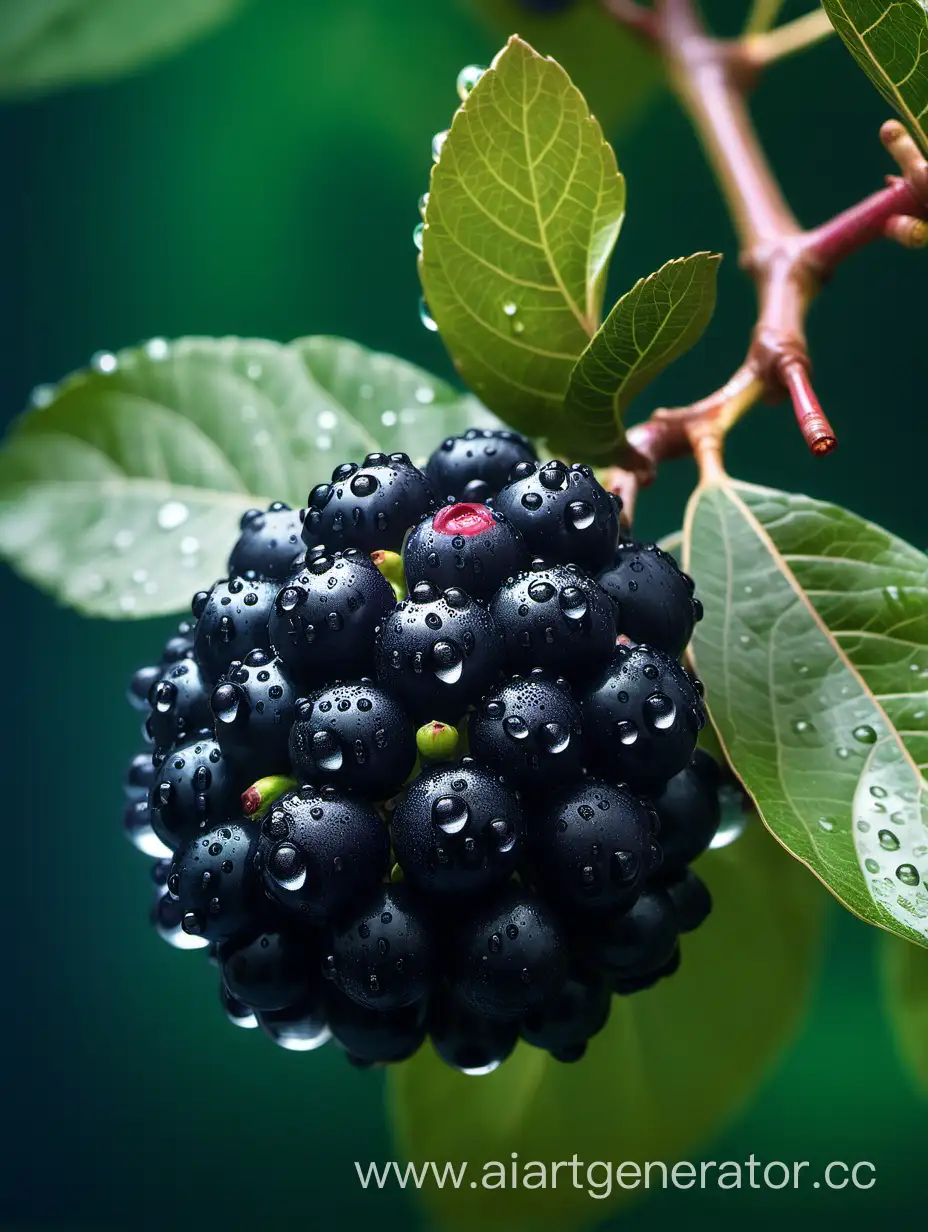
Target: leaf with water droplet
(744,979)
(144,465)
(846,737)
(525,205)
(46,44)
(654,323)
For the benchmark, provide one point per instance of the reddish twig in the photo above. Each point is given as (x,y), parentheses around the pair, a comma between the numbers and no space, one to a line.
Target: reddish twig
(711,77)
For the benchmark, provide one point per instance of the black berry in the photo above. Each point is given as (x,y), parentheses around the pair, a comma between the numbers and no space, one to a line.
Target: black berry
(556,617)
(688,806)
(268,544)
(355,736)
(195,788)
(384,956)
(300,1027)
(654,598)
(641,717)
(466,1040)
(691,899)
(268,968)
(438,652)
(509,954)
(457,830)
(253,708)
(593,846)
(324,619)
(528,728)
(563,513)
(179,705)
(641,940)
(474,467)
(564,1025)
(465,545)
(368,507)
(372,1037)
(322,851)
(215,881)
(232,619)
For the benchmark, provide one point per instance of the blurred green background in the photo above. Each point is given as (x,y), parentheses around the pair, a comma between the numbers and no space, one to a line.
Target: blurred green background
(264,181)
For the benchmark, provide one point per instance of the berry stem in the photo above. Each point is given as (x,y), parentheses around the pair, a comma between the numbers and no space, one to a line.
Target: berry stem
(258,798)
(711,77)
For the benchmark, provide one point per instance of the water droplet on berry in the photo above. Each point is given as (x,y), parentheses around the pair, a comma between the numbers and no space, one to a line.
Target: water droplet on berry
(627,731)
(541,592)
(532,500)
(327,751)
(448,662)
(450,814)
(515,727)
(580,515)
(286,866)
(495,944)
(573,603)
(554,736)
(659,711)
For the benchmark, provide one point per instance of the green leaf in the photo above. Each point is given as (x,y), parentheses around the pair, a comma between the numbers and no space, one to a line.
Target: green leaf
(45,44)
(120,493)
(889,40)
(905,990)
(615,68)
(636,1095)
(524,208)
(653,324)
(814,653)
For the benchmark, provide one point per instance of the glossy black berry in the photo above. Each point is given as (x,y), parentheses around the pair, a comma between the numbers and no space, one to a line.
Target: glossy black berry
(688,807)
(466,1040)
(166,918)
(465,545)
(179,705)
(356,736)
(370,506)
(268,544)
(509,954)
(268,968)
(322,851)
(563,513)
(641,940)
(215,881)
(140,686)
(239,1014)
(593,846)
(564,1025)
(475,466)
(555,617)
(374,1037)
(654,598)
(438,652)
(140,774)
(641,717)
(300,1027)
(232,619)
(137,827)
(195,788)
(529,729)
(457,830)
(384,955)
(324,619)
(691,899)
(253,707)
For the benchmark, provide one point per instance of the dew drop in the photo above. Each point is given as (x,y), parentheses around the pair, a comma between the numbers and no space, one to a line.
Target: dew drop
(418,232)
(450,814)
(660,713)
(437,142)
(888,840)
(426,317)
(908,874)
(515,727)
(172,514)
(467,79)
(826,824)
(864,734)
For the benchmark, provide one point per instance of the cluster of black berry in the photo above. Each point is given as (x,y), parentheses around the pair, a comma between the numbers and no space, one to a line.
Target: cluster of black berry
(424,764)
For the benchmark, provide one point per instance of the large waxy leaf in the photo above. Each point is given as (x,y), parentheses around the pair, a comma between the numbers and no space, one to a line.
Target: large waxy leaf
(49,43)
(524,208)
(889,40)
(121,492)
(636,1095)
(905,987)
(654,323)
(814,652)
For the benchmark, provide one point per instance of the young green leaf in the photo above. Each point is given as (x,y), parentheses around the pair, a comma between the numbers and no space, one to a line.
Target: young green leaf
(636,1095)
(599,49)
(889,40)
(654,323)
(121,492)
(905,991)
(45,44)
(814,653)
(524,208)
